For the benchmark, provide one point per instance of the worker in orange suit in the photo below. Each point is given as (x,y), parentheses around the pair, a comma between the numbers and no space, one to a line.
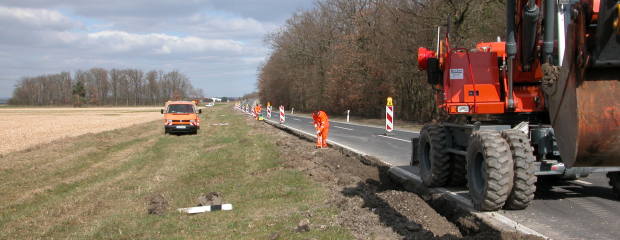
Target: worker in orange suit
(321,123)
(257,110)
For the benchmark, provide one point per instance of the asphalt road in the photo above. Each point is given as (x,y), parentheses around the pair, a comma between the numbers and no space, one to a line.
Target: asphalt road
(582,209)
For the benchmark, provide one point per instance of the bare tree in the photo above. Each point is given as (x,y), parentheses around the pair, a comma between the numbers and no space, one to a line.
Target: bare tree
(352,54)
(99,86)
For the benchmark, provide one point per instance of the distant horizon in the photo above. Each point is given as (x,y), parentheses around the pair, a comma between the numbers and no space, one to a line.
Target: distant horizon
(218,44)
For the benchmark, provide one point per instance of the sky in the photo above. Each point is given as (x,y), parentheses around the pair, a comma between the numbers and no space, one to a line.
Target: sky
(218,44)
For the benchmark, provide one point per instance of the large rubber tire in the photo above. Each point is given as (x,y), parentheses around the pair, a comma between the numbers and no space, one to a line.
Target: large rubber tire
(489,170)
(524,184)
(458,171)
(432,155)
(614,182)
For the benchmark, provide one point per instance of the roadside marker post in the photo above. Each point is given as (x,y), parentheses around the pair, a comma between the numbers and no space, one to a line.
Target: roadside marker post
(389,116)
(348,111)
(292,111)
(269,110)
(282,118)
(211,208)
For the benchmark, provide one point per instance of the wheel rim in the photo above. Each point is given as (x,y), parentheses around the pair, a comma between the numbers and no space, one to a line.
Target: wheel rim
(478,174)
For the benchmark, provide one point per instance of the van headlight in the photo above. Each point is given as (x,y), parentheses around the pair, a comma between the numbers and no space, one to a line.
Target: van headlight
(462,109)
(192,120)
(169,120)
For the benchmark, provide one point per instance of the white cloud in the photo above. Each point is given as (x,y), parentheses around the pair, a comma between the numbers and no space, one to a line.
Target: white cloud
(217,43)
(157,43)
(35,19)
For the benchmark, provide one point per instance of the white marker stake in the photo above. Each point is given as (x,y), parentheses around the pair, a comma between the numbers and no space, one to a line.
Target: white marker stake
(348,111)
(201,209)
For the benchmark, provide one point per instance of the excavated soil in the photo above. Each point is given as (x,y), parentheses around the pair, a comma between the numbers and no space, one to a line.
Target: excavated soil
(370,204)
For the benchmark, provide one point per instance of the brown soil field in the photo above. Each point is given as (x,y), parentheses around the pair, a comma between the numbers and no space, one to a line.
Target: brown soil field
(27,127)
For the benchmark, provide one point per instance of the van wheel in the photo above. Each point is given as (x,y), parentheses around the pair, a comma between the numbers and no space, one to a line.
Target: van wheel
(489,170)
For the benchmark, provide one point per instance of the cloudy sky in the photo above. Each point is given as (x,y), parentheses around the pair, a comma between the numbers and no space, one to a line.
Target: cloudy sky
(217,43)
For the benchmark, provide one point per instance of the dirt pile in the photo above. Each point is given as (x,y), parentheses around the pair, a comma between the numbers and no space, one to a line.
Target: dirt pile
(157,204)
(371,205)
(208,199)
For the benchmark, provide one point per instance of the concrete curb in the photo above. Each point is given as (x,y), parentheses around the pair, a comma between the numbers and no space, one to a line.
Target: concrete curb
(413,182)
(363,125)
(495,220)
(346,150)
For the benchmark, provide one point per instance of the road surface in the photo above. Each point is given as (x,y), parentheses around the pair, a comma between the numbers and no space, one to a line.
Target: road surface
(581,209)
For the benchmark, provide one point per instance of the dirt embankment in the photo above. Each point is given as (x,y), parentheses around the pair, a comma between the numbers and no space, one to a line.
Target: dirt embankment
(370,204)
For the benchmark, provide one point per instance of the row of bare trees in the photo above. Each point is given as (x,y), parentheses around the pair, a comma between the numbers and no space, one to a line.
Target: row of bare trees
(99,86)
(352,54)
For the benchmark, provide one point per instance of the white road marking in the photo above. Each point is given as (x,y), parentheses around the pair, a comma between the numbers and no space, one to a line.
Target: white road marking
(582,182)
(343,128)
(394,138)
(296,119)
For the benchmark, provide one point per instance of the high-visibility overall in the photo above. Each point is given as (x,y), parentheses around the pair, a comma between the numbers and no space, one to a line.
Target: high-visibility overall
(257,110)
(321,123)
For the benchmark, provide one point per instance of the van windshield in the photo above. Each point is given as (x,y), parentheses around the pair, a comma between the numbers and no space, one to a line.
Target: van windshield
(180,108)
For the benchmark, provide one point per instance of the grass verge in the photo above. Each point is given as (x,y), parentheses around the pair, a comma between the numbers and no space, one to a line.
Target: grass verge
(97,186)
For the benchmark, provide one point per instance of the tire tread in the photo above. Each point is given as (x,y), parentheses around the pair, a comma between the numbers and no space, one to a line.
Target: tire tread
(524,185)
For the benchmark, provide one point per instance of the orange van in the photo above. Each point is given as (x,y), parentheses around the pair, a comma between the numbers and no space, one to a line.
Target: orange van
(181,117)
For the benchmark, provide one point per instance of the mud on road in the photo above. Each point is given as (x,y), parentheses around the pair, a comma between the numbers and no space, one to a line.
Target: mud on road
(370,204)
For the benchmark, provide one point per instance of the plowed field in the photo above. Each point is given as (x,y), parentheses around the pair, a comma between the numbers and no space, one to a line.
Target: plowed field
(22,128)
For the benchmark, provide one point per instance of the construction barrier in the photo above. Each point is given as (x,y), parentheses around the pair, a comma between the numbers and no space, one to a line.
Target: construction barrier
(269,112)
(282,118)
(389,115)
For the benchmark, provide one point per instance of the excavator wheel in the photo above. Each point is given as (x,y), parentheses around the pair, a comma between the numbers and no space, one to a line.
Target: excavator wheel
(458,173)
(489,170)
(524,184)
(614,182)
(431,152)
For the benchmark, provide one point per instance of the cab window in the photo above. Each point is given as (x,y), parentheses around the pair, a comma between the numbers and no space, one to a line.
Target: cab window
(181,108)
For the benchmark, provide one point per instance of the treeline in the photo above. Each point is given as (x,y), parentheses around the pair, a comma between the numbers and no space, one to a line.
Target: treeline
(353,54)
(99,86)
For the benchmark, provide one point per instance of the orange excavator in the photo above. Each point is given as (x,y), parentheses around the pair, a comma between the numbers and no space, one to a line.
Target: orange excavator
(542,102)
